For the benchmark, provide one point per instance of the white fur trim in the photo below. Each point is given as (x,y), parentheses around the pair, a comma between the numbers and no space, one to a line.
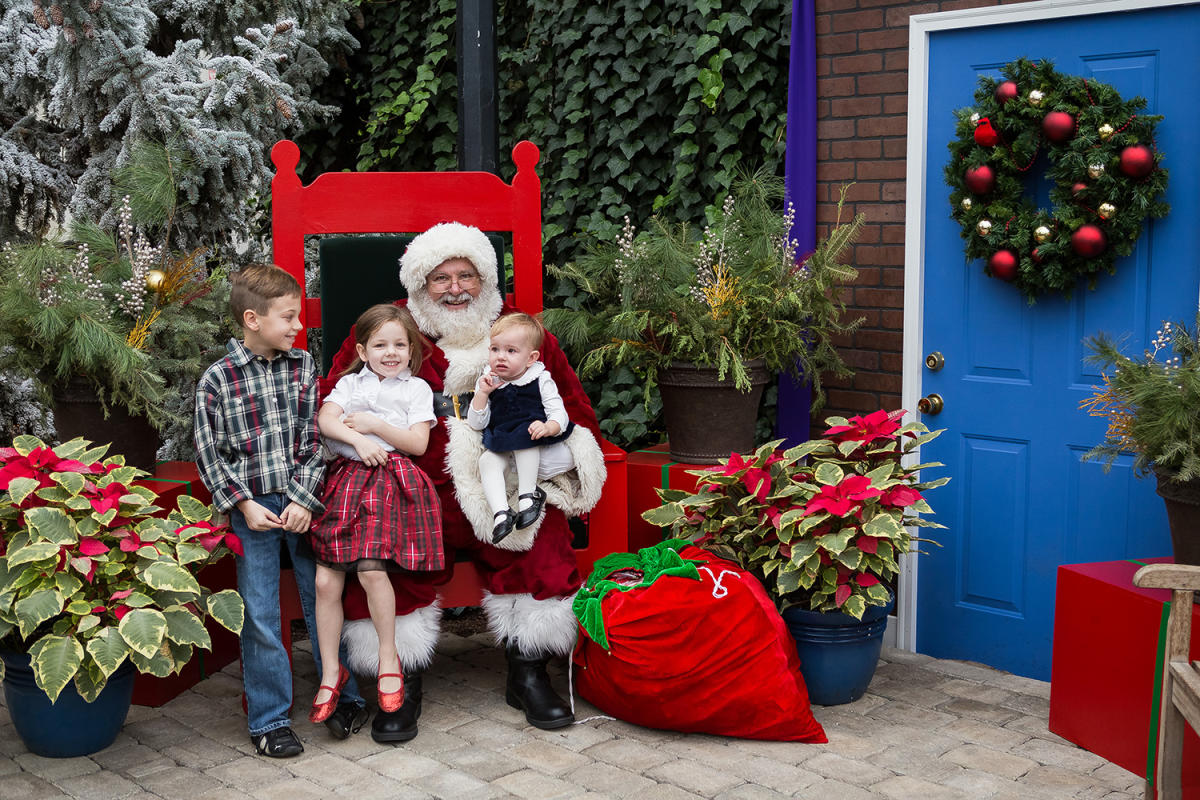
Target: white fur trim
(536,627)
(416,639)
(575,491)
(442,242)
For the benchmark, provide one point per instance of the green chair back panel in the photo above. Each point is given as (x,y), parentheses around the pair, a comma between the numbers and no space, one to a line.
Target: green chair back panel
(359,271)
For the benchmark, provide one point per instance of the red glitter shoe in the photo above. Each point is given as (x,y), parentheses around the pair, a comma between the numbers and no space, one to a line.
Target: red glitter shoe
(321,711)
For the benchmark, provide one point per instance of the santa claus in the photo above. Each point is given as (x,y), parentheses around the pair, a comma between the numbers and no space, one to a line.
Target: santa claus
(530,577)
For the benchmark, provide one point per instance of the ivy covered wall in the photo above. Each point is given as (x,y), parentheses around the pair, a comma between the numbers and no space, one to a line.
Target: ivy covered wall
(636,106)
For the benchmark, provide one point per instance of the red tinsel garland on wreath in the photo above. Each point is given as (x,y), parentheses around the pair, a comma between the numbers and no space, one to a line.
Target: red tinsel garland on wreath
(1101,159)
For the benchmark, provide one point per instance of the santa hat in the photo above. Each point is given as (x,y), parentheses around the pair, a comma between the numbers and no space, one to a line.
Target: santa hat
(445,241)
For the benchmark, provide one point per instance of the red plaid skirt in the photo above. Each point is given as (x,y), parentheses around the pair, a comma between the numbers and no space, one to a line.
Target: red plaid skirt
(389,513)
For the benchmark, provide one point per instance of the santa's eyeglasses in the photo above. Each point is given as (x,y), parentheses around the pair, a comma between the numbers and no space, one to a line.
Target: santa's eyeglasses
(463,279)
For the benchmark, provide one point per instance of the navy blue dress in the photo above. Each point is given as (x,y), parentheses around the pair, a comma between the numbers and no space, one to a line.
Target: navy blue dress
(513,408)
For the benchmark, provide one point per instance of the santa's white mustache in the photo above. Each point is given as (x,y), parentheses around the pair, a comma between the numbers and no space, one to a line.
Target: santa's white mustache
(449,299)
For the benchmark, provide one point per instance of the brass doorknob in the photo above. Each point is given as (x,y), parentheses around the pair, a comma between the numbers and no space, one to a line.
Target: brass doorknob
(931,404)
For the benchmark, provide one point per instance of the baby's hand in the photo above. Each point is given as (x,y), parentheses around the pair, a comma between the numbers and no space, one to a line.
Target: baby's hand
(362,421)
(539,429)
(369,452)
(487,383)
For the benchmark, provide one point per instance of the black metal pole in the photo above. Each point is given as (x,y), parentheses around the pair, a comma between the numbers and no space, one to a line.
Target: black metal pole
(478,115)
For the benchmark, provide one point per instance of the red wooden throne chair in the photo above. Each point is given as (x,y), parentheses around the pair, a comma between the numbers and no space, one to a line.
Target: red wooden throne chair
(365,221)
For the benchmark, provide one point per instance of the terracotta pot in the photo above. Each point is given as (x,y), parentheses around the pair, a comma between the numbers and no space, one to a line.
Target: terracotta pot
(77,412)
(1183,515)
(706,418)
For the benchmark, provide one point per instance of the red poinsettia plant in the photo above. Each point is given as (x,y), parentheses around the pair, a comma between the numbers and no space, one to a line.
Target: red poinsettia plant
(93,573)
(822,524)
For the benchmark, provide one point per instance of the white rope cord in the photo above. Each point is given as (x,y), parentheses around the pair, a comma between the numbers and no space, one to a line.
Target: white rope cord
(571,693)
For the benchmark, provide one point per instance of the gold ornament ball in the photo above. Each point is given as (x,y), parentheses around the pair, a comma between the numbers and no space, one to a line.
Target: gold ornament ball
(1106,131)
(974,119)
(966,204)
(984,227)
(1041,233)
(1095,170)
(154,279)
(1106,210)
(1036,97)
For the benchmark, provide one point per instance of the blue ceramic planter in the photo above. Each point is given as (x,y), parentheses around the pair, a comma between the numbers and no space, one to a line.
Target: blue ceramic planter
(837,652)
(70,726)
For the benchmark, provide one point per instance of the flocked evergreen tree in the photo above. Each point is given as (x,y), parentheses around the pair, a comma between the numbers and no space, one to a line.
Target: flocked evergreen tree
(81,81)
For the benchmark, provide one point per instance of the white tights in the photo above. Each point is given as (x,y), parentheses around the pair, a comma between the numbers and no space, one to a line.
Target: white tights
(492,467)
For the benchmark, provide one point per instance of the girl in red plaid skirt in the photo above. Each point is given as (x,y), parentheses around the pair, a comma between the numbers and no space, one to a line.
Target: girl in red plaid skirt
(381,511)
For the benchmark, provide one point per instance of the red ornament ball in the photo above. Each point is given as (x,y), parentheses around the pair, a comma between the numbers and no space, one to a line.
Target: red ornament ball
(1036,256)
(1137,161)
(1059,126)
(1003,264)
(1006,91)
(980,180)
(1089,241)
(1077,188)
(985,134)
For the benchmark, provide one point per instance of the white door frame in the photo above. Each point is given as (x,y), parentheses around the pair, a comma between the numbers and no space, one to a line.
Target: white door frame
(920,27)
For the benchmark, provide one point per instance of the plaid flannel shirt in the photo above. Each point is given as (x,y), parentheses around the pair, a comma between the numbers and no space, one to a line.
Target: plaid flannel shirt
(256,428)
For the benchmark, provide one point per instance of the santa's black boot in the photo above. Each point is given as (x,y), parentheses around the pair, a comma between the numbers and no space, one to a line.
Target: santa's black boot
(529,690)
(401,724)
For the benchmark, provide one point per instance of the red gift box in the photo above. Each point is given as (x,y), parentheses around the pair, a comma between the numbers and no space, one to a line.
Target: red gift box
(648,470)
(1106,675)
(172,479)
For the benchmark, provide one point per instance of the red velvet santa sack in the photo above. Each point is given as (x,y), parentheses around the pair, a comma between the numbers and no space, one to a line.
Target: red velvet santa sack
(673,637)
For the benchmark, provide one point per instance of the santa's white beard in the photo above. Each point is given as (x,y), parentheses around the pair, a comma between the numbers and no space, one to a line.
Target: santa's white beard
(463,328)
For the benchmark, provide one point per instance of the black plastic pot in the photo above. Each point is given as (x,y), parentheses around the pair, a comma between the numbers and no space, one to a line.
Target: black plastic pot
(77,412)
(706,418)
(1183,516)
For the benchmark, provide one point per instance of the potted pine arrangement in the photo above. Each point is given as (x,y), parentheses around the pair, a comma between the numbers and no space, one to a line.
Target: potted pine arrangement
(822,525)
(1150,402)
(96,582)
(706,318)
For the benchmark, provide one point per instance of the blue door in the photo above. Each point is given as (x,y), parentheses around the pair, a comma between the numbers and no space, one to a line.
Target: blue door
(1021,501)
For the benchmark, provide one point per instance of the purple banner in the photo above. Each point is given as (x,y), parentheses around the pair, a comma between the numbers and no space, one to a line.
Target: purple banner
(800,176)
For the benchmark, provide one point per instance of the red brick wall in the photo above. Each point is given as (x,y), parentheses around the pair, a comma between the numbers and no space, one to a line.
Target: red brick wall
(862,90)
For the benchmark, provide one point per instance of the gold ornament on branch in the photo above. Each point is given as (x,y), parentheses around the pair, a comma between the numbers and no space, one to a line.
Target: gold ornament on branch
(983,227)
(1041,233)
(975,119)
(1106,210)
(1035,97)
(1106,131)
(1095,170)
(966,204)
(154,279)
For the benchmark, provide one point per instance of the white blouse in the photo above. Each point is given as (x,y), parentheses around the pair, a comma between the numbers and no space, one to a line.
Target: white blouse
(401,401)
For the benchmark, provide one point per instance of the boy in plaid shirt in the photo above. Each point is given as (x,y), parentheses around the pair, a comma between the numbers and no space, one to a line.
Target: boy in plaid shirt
(260,457)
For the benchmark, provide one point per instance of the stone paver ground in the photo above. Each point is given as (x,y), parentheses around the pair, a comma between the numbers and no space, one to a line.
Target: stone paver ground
(927,730)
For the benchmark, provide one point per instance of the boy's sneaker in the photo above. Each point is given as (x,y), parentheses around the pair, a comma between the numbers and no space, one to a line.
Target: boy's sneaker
(278,743)
(347,718)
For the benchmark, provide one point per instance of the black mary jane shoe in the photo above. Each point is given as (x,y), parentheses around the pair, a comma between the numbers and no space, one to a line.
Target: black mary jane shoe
(503,526)
(346,719)
(278,743)
(529,516)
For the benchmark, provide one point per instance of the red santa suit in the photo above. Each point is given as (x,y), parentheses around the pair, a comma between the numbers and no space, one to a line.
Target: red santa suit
(531,576)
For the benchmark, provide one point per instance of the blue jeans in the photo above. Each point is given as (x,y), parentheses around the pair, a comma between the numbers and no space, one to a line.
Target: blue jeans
(266,669)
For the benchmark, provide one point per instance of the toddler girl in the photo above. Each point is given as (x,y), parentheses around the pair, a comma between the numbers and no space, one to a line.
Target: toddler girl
(519,410)
(382,512)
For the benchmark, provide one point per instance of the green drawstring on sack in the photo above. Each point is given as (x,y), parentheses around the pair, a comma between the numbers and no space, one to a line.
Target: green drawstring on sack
(653,562)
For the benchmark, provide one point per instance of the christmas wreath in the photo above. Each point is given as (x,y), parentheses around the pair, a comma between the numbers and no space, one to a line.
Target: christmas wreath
(1100,156)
